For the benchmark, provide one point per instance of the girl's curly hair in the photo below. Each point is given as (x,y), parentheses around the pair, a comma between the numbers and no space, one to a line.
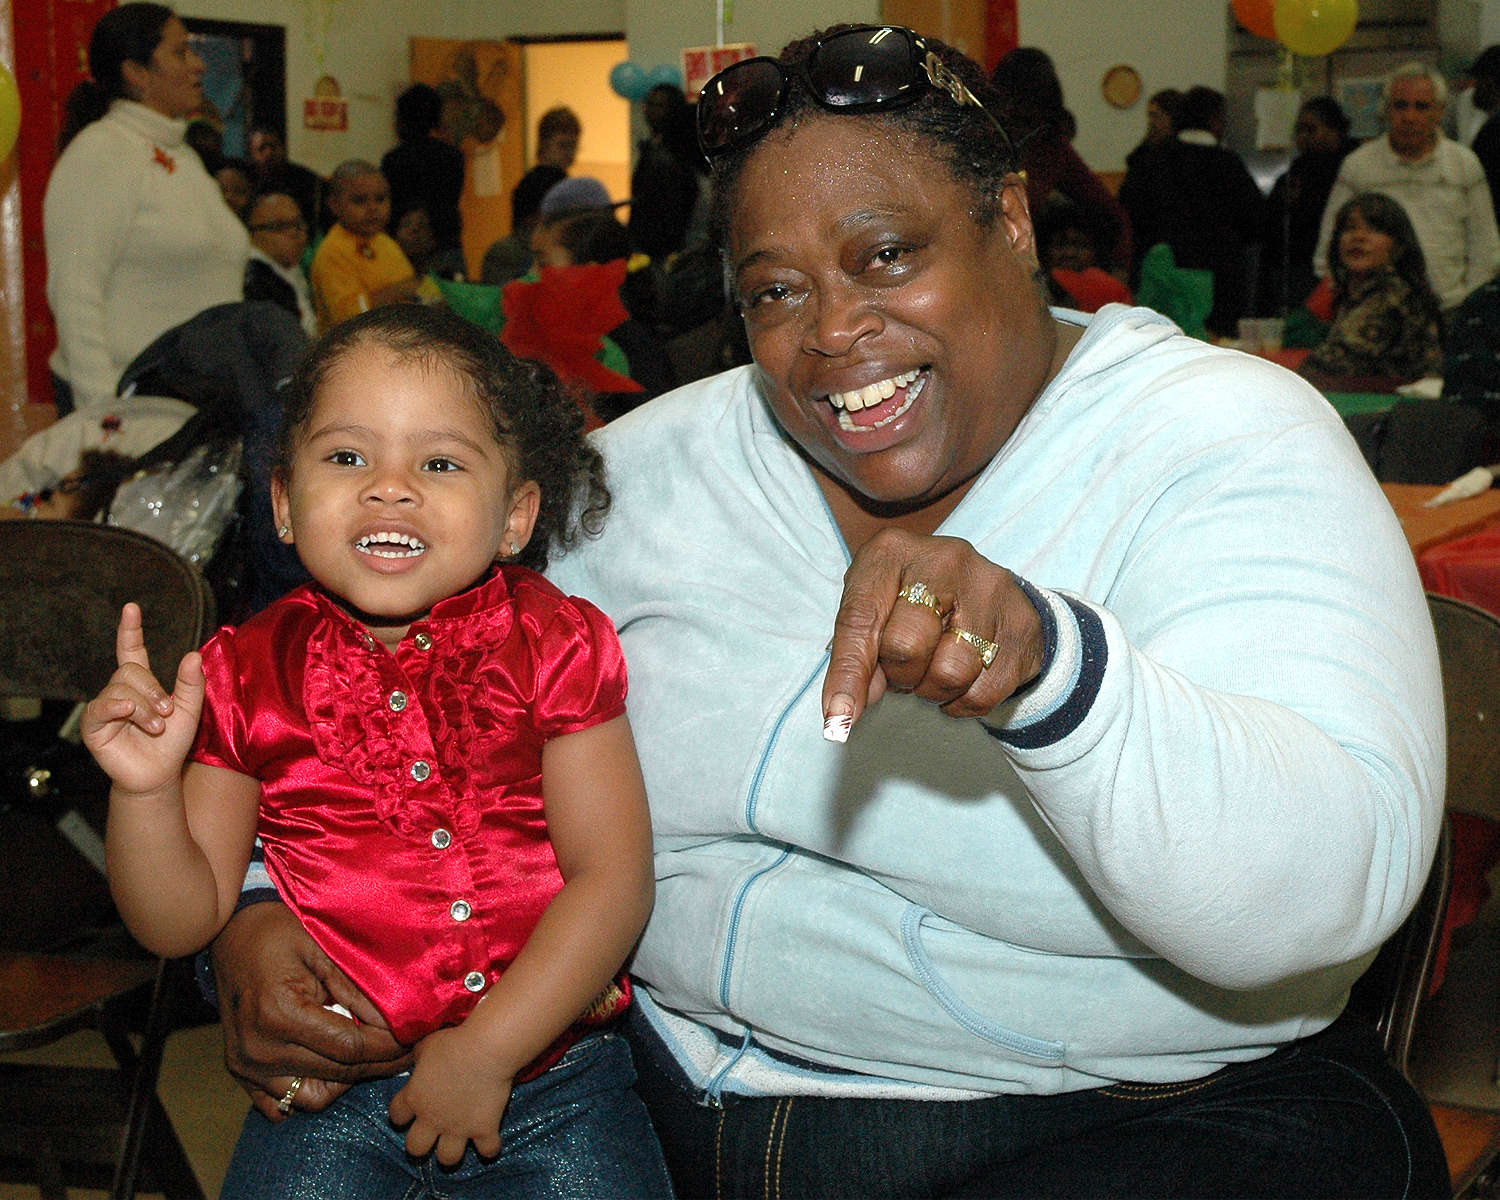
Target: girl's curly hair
(539,426)
(961,137)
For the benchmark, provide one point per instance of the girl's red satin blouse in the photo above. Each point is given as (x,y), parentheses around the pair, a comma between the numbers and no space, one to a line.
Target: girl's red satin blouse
(401,794)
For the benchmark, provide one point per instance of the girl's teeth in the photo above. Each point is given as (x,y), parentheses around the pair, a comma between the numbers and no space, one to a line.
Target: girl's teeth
(412,546)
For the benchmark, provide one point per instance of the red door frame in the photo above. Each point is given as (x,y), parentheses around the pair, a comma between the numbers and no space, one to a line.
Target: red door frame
(1001,31)
(52,38)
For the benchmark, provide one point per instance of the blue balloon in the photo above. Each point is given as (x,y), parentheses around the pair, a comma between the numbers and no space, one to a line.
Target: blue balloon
(629,81)
(665,73)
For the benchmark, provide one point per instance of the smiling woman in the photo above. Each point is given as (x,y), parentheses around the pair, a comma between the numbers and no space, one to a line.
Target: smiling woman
(1032,766)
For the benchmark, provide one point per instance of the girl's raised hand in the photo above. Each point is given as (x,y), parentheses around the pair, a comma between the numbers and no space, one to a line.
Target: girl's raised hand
(140,735)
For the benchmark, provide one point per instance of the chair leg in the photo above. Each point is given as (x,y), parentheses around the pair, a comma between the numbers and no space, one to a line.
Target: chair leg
(145,1115)
(50,1184)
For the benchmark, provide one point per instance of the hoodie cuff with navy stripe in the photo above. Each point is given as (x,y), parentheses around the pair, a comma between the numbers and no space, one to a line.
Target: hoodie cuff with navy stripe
(1074,656)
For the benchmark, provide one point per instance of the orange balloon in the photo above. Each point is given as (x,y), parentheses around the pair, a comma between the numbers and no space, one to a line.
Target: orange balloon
(1258,16)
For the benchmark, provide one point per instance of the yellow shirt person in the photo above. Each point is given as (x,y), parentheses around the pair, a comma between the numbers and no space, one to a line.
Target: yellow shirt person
(358,266)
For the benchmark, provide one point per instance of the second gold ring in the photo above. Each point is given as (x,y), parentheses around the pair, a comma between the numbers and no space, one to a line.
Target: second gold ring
(986,649)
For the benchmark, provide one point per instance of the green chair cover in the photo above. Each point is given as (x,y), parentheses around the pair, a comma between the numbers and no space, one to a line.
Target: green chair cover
(1183,295)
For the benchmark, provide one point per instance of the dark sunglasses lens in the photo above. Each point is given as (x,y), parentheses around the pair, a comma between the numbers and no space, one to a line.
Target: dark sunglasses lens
(863,67)
(737,103)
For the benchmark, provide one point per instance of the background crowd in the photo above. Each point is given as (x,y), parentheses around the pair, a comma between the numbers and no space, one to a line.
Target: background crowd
(1370,287)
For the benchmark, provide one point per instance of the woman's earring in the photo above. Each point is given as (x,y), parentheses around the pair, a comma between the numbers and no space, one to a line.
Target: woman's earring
(283,531)
(514,549)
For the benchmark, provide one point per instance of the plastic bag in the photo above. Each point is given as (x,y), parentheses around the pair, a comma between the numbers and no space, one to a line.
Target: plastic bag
(187,505)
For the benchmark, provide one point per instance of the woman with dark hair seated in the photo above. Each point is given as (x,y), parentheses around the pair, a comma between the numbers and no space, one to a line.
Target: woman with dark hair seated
(1387,322)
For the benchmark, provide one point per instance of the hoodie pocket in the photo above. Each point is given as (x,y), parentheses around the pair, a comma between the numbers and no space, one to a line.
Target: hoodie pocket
(980,1026)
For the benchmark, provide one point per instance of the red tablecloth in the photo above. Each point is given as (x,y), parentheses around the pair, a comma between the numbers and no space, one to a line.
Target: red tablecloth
(1458,555)
(1466,568)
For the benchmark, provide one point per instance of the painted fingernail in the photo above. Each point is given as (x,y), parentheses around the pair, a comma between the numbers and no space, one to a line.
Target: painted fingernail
(839,719)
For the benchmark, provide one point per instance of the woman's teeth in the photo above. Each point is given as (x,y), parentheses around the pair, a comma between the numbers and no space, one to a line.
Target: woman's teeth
(371,544)
(845,402)
(873,394)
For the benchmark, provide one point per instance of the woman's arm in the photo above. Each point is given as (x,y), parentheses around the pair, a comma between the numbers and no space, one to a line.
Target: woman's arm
(601,833)
(273,983)
(1239,740)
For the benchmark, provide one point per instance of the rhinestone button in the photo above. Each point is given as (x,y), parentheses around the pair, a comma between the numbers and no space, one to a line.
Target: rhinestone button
(441,839)
(420,771)
(422,642)
(397,701)
(474,981)
(459,910)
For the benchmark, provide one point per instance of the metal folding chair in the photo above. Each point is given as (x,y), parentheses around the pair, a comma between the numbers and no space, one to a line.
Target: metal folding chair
(63,585)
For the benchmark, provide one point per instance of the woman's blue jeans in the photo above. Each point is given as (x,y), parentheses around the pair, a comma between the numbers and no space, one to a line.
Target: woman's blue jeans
(1324,1116)
(578,1131)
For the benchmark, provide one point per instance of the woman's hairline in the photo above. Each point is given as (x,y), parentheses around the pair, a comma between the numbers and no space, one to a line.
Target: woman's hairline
(985,210)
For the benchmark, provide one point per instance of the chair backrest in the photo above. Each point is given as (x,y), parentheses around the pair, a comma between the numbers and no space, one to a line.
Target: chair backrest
(62,585)
(1390,992)
(1469,650)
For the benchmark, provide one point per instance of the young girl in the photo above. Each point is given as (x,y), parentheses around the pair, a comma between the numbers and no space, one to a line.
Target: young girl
(1387,324)
(435,752)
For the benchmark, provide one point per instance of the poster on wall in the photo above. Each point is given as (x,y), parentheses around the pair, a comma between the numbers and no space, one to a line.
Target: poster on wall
(702,63)
(326,110)
(329,114)
(1276,112)
(1363,103)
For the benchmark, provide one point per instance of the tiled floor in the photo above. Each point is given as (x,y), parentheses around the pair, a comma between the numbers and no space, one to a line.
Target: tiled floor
(205,1104)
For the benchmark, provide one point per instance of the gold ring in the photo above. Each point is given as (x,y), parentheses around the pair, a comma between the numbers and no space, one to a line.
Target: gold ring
(919,593)
(987,650)
(284,1105)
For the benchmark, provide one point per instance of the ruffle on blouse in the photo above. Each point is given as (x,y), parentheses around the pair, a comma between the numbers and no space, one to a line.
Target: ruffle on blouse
(345,695)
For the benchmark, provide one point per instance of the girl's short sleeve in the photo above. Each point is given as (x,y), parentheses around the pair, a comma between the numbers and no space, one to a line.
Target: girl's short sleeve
(221,730)
(580,671)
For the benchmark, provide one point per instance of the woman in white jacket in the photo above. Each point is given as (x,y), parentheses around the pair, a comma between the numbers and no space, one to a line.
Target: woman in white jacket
(138,237)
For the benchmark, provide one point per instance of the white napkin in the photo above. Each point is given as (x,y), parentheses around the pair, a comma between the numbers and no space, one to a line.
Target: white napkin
(1429,388)
(1472,483)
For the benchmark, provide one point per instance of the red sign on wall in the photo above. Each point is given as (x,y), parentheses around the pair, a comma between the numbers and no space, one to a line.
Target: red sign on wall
(702,63)
(327,113)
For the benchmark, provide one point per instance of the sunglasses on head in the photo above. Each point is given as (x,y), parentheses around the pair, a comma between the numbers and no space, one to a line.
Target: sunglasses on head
(869,68)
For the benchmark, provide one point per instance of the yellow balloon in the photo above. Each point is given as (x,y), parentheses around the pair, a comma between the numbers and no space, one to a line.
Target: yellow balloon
(1313,28)
(10,112)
